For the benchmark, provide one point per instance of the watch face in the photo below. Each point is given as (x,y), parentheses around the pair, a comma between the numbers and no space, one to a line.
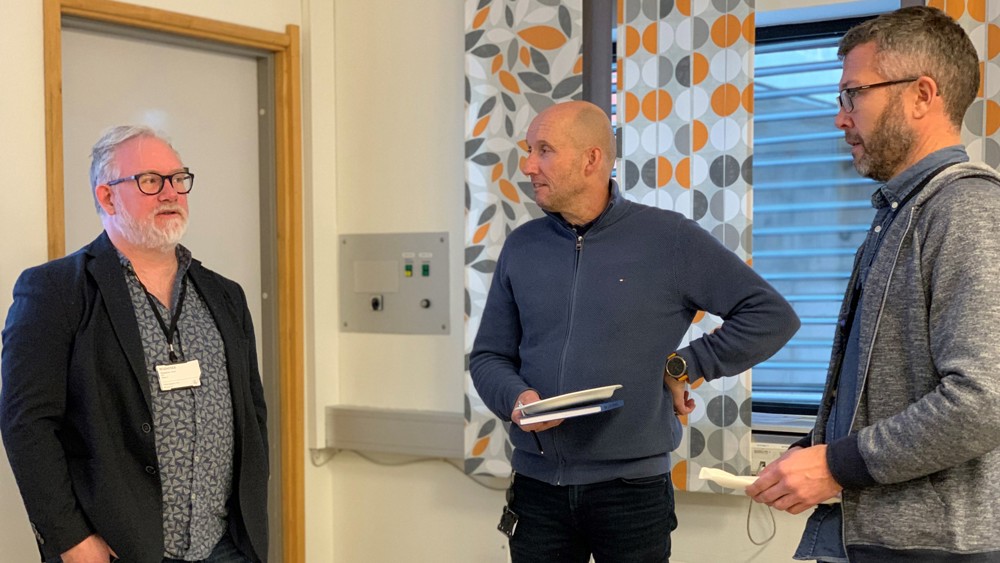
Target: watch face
(676,367)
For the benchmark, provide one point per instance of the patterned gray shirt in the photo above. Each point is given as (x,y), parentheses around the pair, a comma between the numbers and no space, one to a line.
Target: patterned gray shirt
(193,426)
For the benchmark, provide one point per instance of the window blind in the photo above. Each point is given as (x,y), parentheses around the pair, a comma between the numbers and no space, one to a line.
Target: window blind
(811,210)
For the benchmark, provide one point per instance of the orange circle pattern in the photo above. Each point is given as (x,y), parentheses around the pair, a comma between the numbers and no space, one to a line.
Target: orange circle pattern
(663,171)
(699,135)
(656,105)
(679,475)
(725,100)
(699,70)
(726,30)
(977,10)
(650,39)
(992,40)
(632,40)
(684,6)
(683,173)
(631,106)
(750,29)
(748,98)
(992,117)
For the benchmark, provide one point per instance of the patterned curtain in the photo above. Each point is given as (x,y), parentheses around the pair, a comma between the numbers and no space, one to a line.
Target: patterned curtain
(685,104)
(520,57)
(981,128)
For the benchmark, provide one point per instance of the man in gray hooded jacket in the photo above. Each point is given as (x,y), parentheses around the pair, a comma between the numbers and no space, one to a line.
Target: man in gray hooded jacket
(908,433)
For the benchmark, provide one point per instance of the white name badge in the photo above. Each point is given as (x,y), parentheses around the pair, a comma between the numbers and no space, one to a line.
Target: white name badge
(179,376)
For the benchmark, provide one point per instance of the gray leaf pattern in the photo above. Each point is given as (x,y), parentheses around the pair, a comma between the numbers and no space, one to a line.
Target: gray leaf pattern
(507,89)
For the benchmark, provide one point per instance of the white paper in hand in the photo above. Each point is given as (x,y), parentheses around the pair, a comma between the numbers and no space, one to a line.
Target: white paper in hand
(725,478)
(730,481)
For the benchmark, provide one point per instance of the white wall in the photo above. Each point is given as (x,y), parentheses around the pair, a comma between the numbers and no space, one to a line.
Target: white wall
(22,215)
(398,94)
(383,153)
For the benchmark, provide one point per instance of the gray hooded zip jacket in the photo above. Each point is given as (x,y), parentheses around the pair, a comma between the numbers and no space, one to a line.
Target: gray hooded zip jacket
(921,468)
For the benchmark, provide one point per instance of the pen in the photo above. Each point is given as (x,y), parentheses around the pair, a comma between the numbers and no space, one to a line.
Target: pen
(534,434)
(537,442)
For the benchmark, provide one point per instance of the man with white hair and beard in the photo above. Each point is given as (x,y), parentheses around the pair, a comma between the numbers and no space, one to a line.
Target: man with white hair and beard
(132,409)
(908,432)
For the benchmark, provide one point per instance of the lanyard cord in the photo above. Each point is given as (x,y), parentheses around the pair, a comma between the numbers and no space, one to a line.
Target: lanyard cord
(168,332)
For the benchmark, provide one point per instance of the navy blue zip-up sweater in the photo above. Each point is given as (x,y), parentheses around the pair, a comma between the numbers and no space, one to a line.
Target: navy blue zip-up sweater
(568,312)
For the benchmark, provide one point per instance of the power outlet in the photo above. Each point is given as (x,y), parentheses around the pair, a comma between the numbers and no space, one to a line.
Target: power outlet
(763,453)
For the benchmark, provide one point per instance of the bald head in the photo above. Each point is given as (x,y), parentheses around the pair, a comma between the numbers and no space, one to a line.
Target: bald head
(571,152)
(587,126)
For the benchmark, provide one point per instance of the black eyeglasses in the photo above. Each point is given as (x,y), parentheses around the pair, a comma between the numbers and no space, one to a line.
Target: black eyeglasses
(847,95)
(151,183)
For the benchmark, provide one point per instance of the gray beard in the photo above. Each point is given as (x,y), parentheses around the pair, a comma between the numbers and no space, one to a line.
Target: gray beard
(148,235)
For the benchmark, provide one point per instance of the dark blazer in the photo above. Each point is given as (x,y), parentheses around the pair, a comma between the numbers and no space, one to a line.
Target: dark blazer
(76,416)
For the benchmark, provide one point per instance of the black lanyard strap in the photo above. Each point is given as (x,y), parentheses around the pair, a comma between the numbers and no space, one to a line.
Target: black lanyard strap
(172,330)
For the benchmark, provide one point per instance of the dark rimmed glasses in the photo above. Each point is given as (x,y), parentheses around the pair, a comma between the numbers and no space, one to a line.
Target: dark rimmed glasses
(151,183)
(847,95)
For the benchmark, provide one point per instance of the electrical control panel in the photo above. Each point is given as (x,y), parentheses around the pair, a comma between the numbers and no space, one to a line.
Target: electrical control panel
(394,283)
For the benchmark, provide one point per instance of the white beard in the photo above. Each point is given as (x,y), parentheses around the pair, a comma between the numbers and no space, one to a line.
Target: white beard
(145,234)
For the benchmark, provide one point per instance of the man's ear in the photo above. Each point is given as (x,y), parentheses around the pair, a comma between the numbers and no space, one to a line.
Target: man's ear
(593,158)
(103,193)
(927,94)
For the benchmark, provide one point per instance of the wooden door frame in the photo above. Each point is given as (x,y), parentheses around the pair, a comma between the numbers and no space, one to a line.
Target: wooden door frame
(288,167)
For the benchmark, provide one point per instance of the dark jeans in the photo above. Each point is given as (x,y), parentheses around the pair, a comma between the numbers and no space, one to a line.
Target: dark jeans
(224,552)
(620,521)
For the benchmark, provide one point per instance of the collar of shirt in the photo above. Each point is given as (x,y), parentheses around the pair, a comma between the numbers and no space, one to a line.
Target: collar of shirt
(614,195)
(898,188)
(183,263)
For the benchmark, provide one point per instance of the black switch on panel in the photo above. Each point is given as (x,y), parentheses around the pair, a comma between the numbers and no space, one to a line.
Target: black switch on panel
(377,303)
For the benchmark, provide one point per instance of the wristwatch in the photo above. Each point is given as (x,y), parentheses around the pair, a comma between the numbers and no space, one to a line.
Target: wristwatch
(676,367)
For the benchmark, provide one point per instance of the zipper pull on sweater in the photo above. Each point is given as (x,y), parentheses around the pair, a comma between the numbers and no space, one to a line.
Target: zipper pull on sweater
(579,243)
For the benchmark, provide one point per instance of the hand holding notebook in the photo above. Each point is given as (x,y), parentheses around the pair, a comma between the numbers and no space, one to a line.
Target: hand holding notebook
(570,405)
